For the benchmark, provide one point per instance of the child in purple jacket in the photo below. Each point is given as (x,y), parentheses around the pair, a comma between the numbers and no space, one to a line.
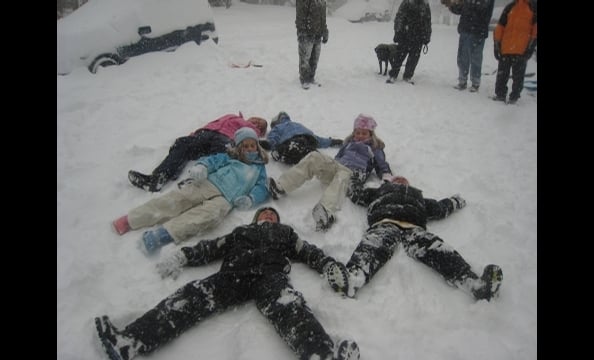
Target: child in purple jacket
(361,153)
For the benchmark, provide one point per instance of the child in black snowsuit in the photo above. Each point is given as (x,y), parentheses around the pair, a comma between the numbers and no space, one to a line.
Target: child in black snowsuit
(398,213)
(255,267)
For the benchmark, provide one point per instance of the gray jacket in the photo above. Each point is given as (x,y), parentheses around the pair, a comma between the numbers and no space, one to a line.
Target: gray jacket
(310,18)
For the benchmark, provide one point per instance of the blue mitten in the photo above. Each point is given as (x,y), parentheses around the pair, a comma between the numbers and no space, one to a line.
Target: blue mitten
(243,202)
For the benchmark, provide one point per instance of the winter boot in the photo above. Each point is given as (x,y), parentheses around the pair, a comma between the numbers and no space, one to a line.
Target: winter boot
(347,350)
(474,88)
(154,239)
(275,190)
(323,218)
(487,287)
(152,183)
(337,276)
(121,225)
(460,86)
(117,345)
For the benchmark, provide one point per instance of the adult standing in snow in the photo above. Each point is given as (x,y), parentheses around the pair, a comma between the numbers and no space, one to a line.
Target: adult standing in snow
(412,32)
(361,153)
(312,31)
(515,40)
(289,141)
(213,138)
(473,28)
(256,263)
(397,214)
(219,183)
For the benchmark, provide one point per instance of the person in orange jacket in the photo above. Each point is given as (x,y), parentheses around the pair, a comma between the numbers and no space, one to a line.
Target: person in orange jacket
(515,40)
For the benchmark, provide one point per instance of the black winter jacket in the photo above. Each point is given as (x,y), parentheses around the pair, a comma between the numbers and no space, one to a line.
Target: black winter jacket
(257,249)
(398,202)
(474,16)
(412,23)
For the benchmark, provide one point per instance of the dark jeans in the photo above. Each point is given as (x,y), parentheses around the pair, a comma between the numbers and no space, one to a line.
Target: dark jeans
(192,147)
(470,57)
(517,65)
(197,300)
(413,51)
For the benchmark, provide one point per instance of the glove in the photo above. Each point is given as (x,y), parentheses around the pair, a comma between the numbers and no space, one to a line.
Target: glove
(198,172)
(325,38)
(458,201)
(497,50)
(243,202)
(336,142)
(387,177)
(173,265)
(265,144)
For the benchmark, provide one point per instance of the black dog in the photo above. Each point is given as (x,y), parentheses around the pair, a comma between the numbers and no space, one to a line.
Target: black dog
(384,53)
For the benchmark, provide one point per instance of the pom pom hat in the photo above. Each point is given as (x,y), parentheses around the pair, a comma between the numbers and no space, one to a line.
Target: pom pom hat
(244,133)
(365,122)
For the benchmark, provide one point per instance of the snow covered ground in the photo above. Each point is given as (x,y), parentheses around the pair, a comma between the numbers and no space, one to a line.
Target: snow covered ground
(443,140)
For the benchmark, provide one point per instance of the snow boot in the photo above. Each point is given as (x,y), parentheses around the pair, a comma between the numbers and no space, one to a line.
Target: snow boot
(121,225)
(347,350)
(152,183)
(275,190)
(474,88)
(154,239)
(323,218)
(117,345)
(460,86)
(487,287)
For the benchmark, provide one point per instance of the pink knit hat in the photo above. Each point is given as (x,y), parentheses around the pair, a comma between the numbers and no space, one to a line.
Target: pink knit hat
(365,122)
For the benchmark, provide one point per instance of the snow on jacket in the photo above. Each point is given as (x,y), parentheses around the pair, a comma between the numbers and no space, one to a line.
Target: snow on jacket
(234,178)
(517,26)
(310,18)
(257,249)
(229,124)
(361,157)
(475,16)
(412,23)
(398,202)
(286,129)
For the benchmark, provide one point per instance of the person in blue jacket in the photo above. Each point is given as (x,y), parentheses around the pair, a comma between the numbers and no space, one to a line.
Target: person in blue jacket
(218,183)
(289,141)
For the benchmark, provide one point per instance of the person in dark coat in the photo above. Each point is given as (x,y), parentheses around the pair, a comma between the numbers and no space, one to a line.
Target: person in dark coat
(213,138)
(473,28)
(289,141)
(397,213)
(312,31)
(255,267)
(412,31)
(515,40)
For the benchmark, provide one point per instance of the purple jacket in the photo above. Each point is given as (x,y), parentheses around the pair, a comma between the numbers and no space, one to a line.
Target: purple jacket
(360,157)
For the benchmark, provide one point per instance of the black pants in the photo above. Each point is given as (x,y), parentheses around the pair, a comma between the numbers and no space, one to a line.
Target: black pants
(192,147)
(197,300)
(517,65)
(413,50)
(291,151)
(380,241)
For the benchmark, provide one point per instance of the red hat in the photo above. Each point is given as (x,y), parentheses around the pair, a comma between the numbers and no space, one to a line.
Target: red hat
(399,180)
